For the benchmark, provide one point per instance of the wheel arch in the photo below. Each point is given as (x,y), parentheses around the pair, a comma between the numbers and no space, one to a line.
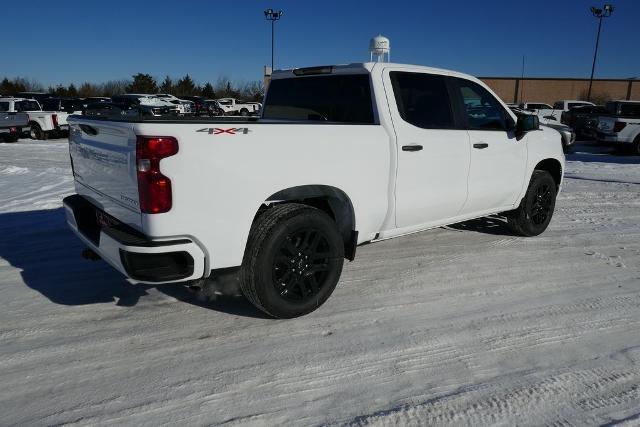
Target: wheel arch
(554,167)
(331,200)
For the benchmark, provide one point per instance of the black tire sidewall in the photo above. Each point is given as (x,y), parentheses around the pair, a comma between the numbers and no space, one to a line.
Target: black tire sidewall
(539,179)
(36,131)
(267,293)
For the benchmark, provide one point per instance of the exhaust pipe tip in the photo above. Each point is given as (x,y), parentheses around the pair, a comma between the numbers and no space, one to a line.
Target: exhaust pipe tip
(90,255)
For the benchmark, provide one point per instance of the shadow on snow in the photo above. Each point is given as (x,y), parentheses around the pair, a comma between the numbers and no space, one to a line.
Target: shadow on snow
(48,255)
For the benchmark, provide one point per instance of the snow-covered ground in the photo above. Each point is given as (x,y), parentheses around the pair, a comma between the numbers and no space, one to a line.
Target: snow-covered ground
(462,325)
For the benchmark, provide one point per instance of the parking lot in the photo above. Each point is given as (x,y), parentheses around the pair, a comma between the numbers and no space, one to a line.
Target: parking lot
(461,325)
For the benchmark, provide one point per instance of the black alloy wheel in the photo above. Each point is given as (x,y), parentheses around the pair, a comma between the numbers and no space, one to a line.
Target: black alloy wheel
(293,260)
(542,204)
(301,265)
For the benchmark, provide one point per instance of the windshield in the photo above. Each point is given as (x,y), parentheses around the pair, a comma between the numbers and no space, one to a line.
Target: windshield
(27,105)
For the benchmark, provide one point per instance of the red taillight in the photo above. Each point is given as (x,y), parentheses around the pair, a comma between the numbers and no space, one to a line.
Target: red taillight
(154,189)
(54,119)
(618,126)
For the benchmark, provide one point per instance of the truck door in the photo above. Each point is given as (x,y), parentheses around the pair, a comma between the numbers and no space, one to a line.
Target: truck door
(498,159)
(433,153)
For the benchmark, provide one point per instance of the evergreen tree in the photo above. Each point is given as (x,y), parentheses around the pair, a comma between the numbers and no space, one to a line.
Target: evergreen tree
(143,83)
(7,87)
(167,85)
(186,86)
(208,92)
(60,91)
(72,91)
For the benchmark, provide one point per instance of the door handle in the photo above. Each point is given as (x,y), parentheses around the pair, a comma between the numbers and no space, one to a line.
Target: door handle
(413,147)
(480,145)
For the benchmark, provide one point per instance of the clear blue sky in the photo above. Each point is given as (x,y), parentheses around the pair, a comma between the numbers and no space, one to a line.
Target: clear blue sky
(68,41)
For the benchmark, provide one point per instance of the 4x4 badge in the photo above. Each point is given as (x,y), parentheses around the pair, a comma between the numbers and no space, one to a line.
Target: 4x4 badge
(230,131)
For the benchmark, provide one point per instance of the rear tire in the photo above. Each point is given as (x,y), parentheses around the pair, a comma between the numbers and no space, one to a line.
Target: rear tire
(244,112)
(293,260)
(36,132)
(533,215)
(636,146)
(11,138)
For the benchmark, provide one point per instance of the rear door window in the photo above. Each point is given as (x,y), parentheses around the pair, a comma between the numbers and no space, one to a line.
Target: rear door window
(422,99)
(333,98)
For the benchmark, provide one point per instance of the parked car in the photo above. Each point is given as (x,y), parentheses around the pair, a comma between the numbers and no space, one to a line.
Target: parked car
(568,136)
(114,110)
(144,99)
(94,99)
(583,119)
(68,105)
(275,203)
(210,107)
(199,104)
(42,124)
(111,109)
(38,96)
(13,125)
(621,128)
(232,106)
(184,106)
(555,113)
(535,106)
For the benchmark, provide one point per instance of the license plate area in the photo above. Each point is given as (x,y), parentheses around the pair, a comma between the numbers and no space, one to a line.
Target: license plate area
(105,221)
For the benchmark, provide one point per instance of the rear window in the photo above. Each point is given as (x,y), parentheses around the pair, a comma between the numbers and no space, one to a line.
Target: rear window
(27,106)
(572,105)
(338,98)
(4,106)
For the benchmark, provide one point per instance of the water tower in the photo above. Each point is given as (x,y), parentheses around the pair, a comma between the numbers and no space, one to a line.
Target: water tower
(378,47)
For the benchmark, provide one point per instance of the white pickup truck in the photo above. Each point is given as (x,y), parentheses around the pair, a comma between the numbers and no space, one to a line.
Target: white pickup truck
(12,125)
(342,155)
(555,114)
(621,129)
(42,124)
(232,106)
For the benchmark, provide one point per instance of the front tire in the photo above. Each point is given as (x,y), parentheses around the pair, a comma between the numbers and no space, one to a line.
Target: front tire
(534,214)
(293,260)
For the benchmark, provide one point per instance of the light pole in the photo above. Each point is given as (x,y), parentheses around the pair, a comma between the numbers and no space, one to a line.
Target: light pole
(598,13)
(272,16)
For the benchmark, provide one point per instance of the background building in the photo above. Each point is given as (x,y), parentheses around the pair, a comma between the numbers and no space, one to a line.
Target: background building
(549,90)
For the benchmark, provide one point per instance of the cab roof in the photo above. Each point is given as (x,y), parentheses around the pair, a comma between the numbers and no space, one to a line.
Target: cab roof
(361,68)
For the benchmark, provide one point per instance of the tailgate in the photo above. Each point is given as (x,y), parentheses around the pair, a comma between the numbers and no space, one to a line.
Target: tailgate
(103,158)
(605,124)
(9,119)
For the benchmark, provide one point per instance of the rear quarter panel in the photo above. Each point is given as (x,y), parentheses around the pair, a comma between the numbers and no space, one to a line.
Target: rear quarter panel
(220,179)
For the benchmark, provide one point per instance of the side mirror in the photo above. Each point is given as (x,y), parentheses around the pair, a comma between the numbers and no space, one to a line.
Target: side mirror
(527,123)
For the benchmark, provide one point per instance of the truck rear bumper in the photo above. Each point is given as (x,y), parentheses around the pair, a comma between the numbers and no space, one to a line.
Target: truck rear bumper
(612,138)
(141,259)
(15,130)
